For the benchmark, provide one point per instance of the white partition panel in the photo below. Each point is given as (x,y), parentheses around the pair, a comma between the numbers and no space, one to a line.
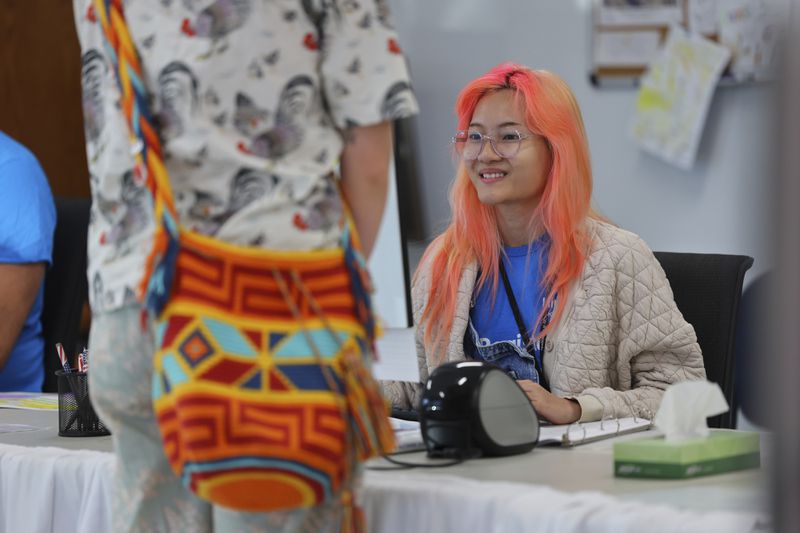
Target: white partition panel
(386,264)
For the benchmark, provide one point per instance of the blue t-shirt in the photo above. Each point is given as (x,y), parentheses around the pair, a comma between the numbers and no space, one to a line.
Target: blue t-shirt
(525,271)
(27,222)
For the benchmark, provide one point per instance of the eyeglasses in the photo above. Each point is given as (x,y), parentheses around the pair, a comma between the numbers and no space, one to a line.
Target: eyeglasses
(469,143)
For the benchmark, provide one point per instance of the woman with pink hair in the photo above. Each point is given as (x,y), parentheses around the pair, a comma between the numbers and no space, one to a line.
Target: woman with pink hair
(529,278)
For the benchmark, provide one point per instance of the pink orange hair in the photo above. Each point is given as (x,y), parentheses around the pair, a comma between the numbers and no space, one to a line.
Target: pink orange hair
(552,112)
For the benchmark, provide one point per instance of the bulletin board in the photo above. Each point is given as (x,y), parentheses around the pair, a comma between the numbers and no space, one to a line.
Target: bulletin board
(627,35)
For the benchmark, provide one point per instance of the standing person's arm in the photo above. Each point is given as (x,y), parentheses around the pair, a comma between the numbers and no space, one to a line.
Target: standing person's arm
(366,86)
(365,178)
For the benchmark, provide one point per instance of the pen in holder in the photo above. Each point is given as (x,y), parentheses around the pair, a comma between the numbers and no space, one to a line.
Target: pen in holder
(76,416)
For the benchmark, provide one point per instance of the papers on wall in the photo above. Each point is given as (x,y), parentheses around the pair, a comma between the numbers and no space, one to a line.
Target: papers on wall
(397,356)
(675,95)
(751,29)
(31,401)
(702,16)
(638,13)
(625,48)
(626,35)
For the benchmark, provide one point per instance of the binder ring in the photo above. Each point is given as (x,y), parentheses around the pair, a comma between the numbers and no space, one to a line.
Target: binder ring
(566,438)
(630,407)
(612,419)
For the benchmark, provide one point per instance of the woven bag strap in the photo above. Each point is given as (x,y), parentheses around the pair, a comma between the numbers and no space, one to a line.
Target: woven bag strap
(146,147)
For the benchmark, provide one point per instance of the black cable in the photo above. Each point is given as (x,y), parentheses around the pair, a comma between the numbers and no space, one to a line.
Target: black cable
(457,454)
(403,465)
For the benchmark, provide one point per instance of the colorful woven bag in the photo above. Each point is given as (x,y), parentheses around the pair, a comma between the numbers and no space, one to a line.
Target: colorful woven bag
(262,388)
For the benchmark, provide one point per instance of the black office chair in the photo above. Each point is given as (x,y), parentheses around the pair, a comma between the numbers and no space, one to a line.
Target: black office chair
(707,289)
(65,287)
(752,374)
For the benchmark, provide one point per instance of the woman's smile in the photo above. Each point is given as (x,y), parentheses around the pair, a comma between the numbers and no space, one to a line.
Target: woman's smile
(492,175)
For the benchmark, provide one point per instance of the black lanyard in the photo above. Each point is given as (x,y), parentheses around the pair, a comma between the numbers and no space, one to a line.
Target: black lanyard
(523,331)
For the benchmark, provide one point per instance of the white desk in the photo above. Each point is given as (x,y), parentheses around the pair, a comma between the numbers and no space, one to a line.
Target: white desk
(590,468)
(544,490)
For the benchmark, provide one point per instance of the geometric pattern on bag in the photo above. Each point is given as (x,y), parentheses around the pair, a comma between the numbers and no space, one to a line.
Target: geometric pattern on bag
(250,400)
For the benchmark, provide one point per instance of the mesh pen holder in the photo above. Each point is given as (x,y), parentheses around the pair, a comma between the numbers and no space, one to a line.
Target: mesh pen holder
(76,416)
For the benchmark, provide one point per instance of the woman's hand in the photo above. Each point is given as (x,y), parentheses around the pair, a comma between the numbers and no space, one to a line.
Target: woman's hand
(549,406)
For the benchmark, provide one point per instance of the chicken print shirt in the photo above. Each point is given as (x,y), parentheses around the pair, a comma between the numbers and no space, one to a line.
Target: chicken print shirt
(251,99)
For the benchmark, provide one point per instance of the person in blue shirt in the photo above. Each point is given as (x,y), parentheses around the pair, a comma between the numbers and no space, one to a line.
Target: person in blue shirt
(27,222)
(500,341)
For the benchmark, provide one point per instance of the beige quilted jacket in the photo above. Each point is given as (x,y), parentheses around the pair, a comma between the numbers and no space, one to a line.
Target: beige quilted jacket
(620,343)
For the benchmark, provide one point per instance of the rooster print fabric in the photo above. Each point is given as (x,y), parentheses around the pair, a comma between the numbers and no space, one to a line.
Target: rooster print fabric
(252,99)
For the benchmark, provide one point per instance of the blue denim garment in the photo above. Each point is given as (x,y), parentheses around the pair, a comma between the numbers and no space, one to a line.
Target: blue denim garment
(506,355)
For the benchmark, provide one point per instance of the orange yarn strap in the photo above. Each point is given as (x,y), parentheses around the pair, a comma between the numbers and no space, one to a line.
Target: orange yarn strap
(144,138)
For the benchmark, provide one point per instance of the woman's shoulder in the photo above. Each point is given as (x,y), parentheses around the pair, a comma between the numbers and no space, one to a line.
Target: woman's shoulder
(422,274)
(421,280)
(611,244)
(423,268)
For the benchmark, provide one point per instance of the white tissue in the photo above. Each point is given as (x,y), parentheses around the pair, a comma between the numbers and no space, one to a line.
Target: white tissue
(685,407)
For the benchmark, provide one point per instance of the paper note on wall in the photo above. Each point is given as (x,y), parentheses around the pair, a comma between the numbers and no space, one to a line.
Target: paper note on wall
(637,13)
(702,16)
(675,95)
(751,28)
(625,48)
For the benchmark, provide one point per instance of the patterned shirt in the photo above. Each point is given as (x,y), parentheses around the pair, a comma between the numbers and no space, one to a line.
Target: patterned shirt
(251,98)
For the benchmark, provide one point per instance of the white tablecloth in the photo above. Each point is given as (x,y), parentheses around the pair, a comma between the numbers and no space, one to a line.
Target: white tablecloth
(47,489)
(411,502)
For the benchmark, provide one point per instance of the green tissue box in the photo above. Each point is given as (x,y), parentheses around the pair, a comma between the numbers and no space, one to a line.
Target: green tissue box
(722,451)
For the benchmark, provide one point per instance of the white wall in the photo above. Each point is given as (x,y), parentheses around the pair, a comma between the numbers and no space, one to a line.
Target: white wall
(386,264)
(719,206)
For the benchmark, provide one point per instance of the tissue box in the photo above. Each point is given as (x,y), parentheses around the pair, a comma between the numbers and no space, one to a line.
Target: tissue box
(722,451)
